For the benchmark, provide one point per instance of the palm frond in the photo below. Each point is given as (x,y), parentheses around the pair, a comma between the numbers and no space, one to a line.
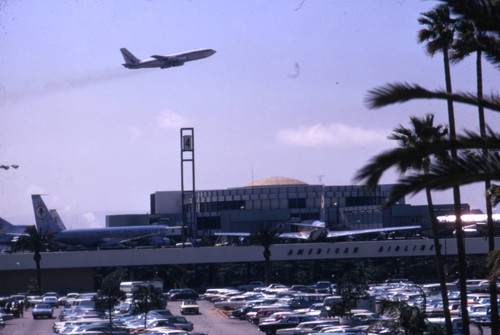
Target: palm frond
(403,158)
(485,13)
(466,169)
(403,92)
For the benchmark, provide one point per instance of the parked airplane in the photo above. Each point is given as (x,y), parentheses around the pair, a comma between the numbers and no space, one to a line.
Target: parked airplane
(132,62)
(10,233)
(472,224)
(95,237)
(56,217)
(316,231)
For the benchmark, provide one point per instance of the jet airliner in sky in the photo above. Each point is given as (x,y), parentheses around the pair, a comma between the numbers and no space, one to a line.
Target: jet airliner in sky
(132,62)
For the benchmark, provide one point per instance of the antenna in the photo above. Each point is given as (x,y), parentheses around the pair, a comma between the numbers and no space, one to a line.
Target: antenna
(322,216)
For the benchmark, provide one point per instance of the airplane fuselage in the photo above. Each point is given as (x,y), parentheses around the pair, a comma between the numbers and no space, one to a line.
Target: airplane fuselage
(101,237)
(170,60)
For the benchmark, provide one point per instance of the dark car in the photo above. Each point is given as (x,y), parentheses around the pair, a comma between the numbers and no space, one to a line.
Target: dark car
(178,322)
(241,312)
(184,294)
(290,321)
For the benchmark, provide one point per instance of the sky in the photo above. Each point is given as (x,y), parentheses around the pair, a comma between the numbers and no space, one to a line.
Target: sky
(284,95)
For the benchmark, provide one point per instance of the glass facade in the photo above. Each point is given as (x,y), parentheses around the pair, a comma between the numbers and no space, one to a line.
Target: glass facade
(342,207)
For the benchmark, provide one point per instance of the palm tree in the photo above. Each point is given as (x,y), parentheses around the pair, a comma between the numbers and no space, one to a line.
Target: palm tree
(109,294)
(424,131)
(265,237)
(35,242)
(400,316)
(439,34)
(467,168)
(486,16)
(494,194)
(442,174)
(147,298)
(469,41)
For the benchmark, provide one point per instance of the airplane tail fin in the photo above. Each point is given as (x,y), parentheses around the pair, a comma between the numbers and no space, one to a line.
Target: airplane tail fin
(56,217)
(130,59)
(45,222)
(5,226)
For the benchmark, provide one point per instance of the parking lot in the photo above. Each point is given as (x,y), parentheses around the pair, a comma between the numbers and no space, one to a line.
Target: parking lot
(209,321)
(214,311)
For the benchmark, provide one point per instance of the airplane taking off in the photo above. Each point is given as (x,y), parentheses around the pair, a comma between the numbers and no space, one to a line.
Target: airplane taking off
(10,233)
(163,62)
(94,237)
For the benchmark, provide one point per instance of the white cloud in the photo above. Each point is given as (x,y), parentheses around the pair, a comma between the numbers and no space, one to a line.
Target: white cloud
(35,189)
(91,221)
(333,135)
(169,120)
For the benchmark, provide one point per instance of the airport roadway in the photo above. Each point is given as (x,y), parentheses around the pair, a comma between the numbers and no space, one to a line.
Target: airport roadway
(209,321)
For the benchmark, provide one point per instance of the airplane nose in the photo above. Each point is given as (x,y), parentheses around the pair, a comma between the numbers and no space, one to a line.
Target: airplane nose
(211,52)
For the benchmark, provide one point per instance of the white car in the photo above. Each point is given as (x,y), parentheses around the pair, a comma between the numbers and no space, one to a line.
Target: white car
(189,307)
(43,311)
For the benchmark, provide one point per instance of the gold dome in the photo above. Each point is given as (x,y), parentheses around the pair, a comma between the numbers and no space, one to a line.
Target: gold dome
(276,181)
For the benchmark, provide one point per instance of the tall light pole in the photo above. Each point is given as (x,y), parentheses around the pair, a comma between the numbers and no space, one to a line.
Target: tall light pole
(187,157)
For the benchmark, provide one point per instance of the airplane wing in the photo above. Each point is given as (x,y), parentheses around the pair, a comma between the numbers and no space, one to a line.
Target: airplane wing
(132,240)
(369,231)
(299,235)
(243,234)
(160,57)
(321,234)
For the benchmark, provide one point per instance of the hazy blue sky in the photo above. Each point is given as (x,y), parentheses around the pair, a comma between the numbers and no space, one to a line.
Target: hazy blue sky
(283,96)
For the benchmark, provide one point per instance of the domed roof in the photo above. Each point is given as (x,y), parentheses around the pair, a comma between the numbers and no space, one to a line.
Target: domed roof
(275,181)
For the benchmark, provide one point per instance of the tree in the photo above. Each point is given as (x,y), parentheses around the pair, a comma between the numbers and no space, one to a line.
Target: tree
(265,237)
(424,131)
(402,317)
(35,242)
(494,194)
(439,34)
(469,41)
(351,287)
(486,16)
(467,168)
(442,174)
(109,295)
(146,298)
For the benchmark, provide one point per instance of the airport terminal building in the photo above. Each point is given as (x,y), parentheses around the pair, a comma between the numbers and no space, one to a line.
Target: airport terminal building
(277,201)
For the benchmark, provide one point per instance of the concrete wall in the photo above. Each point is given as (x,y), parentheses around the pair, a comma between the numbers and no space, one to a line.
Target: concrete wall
(71,279)
(168,202)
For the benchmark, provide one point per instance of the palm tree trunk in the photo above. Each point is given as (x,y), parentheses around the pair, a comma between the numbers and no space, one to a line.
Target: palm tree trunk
(267,266)
(37,258)
(487,186)
(439,264)
(462,271)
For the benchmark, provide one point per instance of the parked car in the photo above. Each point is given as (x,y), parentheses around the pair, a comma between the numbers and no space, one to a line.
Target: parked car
(186,293)
(251,286)
(289,321)
(178,322)
(51,300)
(43,311)
(189,307)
